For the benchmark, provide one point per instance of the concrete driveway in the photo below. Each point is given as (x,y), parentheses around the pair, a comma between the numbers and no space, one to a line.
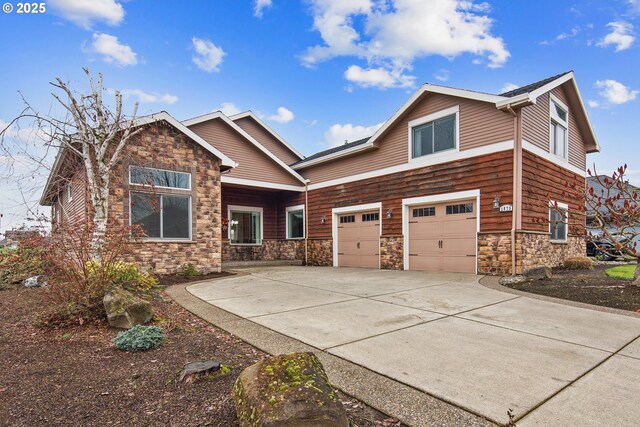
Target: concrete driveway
(480,349)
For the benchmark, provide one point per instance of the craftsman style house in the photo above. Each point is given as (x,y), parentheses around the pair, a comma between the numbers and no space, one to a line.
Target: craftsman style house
(455,181)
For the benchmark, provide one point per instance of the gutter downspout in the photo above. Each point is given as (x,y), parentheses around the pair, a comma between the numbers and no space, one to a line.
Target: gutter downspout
(516,216)
(306,221)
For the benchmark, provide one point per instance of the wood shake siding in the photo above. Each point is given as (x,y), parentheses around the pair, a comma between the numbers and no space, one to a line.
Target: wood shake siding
(252,163)
(535,127)
(543,181)
(480,124)
(267,140)
(491,173)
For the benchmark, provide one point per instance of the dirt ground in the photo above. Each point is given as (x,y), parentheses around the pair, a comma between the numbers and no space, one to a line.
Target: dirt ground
(588,286)
(76,377)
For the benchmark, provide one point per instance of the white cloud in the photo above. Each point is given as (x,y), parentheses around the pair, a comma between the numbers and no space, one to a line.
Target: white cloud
(145,97)
(338,134)
(85,12)
(442,75)
(621,36)
(615,92)
(508,87)
(112,51)
(228,108)
(378,77)
(208,56)
(394,33)
(593,103)
(634,7)
(259,6)
(283,116)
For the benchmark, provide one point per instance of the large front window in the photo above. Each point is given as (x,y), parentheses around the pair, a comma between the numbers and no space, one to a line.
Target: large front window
(434,136)
(159,178)
(295,222)
(162,216)
(245,225)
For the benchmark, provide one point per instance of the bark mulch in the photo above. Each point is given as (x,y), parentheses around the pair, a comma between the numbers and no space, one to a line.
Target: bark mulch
(587,286)
(74,376)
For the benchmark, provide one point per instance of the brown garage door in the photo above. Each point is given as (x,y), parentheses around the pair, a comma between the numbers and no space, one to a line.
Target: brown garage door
(442,237)
(359,239)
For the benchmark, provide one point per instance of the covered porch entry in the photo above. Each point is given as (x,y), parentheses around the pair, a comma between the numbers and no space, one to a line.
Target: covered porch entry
(262,224)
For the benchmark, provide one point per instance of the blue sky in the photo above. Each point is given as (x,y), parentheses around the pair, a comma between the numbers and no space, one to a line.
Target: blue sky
(323,71)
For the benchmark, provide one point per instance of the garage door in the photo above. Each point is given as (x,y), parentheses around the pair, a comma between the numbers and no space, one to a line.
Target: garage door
(442,237)
(359,239)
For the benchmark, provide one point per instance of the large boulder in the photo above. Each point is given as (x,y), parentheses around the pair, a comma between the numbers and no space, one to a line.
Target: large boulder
(289,390)
(539,273)
(125,310)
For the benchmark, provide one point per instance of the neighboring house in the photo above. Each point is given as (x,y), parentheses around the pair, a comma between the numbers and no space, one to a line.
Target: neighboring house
(595,183)
(456,180)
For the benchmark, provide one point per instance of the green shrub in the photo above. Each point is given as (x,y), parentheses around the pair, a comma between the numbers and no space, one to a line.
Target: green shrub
(578,263)
(139,338)
(189,270)
(126,274)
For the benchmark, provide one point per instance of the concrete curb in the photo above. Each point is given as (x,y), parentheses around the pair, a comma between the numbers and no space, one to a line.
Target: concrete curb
(411,406)
(493,282)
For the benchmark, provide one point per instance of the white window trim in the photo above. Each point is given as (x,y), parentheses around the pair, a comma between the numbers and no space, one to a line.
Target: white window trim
(565,123)
(159,186)
(407,204)
(429,118)
(69,192)
(564,206)
(335,212)
(238,208)
(290,209)
(162,239)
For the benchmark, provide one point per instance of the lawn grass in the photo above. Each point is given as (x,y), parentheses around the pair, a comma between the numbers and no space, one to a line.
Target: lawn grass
(621,271)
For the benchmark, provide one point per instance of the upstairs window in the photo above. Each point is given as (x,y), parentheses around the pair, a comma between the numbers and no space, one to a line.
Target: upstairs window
(434,136)
(159,178)
(558,128)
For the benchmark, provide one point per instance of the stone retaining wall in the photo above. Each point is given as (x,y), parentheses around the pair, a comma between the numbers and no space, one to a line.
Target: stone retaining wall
(269,250)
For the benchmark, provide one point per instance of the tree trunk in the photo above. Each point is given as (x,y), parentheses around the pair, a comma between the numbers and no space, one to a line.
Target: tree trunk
(100,214)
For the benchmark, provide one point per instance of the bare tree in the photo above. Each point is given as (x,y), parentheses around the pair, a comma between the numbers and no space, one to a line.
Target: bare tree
(93,132)
(613,208)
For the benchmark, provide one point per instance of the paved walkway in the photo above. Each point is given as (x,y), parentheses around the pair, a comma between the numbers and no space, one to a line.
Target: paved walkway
(479,349)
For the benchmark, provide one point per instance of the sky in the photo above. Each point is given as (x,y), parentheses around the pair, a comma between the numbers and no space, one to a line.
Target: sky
(319,72)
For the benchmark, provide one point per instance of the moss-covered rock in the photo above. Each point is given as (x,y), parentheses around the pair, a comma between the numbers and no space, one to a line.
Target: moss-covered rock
(289,390)
(125,310)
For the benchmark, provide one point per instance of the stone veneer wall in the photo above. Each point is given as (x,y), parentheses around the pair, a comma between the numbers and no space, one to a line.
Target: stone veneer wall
(320,252)
(536,250)
(494,253)
(533,249)
(179,153)
(270,250)
(391,252)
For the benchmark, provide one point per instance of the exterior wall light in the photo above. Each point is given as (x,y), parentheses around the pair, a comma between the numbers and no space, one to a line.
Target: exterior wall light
(322,220)
(390,213)
(496,203)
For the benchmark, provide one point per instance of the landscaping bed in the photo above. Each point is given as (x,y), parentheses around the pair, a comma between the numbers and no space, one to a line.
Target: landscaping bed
(587,286)
(76,376)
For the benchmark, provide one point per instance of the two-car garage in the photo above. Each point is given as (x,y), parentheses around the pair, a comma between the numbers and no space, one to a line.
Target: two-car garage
(440,233)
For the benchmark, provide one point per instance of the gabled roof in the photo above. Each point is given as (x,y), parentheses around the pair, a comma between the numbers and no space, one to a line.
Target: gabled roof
(532,86)
(225,162)
(334,150)
(219,115)
(522,96)
(251,114)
